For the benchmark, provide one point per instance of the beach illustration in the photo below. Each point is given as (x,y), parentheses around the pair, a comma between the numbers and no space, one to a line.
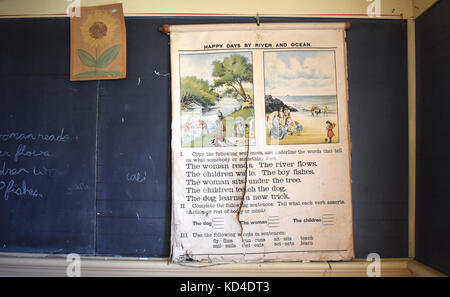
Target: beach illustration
(300,97)
(216,99)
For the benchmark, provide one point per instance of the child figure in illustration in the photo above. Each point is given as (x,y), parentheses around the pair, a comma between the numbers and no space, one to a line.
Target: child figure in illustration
(187,127)
(220,115)
(281,117)
(330,133)
(290,126)
(298,127)
(202,124)
(219,139)
(287,116)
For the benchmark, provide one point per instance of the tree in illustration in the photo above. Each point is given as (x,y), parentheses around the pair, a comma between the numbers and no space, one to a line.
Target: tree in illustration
(232,73)
(196,91)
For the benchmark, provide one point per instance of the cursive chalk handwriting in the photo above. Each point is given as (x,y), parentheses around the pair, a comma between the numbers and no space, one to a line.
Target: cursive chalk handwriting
(137,177)
(77,187)
(61,137)
(11,188)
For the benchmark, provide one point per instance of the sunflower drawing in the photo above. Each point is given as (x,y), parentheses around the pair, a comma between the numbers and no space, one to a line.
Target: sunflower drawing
(98,31)
(99,28)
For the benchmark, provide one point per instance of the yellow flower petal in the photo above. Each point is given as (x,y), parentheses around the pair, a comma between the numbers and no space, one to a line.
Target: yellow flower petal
(98,29)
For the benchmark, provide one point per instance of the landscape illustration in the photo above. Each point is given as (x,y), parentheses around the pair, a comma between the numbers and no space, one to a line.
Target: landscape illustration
(300,97)
(216,99)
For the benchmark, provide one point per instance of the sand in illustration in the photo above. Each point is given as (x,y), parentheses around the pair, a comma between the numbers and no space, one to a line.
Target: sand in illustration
(300,97)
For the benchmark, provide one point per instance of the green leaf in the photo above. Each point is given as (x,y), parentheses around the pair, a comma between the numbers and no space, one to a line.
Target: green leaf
(97,73)
(108,56)
(86,58)
(196,91)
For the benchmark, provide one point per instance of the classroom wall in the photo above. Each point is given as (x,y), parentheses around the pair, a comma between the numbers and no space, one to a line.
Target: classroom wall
(134,220)
(420,6)
(357,8)
(390,240)
(433,105)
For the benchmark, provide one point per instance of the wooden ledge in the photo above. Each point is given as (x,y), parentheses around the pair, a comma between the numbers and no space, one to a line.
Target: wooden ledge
(51,265)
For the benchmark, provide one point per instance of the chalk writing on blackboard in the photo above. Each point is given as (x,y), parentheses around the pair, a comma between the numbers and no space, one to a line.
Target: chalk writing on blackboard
(77,187)
(138,177)
(22,160)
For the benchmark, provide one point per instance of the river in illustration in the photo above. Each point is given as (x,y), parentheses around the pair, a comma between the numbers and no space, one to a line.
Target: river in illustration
(191,120)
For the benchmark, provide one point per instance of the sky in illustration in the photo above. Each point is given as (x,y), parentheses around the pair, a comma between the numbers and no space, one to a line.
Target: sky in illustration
(201,65)
(300,73)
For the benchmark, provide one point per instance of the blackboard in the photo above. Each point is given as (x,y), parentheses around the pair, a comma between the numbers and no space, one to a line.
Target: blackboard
(432,194)
(119,147)
(47,131)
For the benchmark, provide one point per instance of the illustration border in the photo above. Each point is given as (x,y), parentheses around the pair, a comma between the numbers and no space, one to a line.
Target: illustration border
(331,49)
(203,52)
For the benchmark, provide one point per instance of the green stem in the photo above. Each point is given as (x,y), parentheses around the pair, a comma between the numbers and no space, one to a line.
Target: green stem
(96,62)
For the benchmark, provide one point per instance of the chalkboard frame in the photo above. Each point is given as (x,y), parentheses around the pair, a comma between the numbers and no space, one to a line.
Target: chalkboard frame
(380,213)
